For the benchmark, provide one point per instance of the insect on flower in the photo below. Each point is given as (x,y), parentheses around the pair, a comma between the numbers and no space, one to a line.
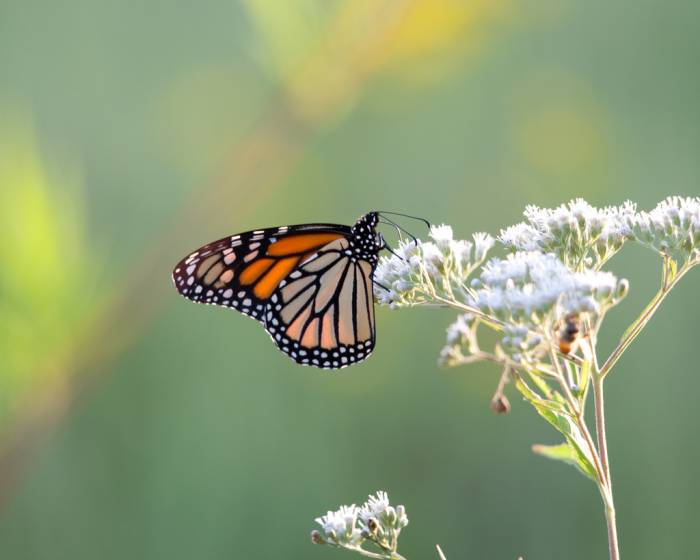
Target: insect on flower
(309,285)
(569,334)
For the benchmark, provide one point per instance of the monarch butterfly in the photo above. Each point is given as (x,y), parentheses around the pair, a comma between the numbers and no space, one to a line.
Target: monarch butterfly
(309,285)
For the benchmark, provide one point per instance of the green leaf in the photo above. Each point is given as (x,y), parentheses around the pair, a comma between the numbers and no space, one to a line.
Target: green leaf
(561,452)
(585,375)
(558,415)
(566,453)
(541,404)
(541,384)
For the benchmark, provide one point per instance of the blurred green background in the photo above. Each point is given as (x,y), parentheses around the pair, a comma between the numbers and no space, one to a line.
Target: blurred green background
(135,425)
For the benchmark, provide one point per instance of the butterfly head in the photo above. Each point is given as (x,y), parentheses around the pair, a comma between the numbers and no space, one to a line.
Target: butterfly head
(365,237)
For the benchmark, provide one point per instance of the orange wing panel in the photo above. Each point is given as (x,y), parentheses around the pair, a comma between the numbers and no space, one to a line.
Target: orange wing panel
(255,270)
(300,243)
(268,284)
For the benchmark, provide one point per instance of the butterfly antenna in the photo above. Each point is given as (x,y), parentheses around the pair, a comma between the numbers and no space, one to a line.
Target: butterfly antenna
(400,229)
(382,286)
(393,252)
(387,223)
(426,222)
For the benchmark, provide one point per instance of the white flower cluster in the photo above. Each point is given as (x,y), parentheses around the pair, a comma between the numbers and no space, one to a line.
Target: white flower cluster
(530,287)
(379,516)
(520,343)
(418,270)
(553,270)
(672,228)
(340,527)
(530,294)
(376,521)
(460,332)
(579,234)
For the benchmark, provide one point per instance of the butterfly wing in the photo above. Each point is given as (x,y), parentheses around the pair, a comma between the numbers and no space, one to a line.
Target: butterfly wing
(243,271)
(322,314)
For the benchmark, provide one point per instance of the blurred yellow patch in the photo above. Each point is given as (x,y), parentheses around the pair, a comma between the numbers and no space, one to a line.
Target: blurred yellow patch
(557,125)
(325,51)
(560,138)
(433,27)
(47,275)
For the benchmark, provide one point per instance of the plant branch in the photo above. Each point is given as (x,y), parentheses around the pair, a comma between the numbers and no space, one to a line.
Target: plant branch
(600,427)
(390,555)
(636,327)
(581,423)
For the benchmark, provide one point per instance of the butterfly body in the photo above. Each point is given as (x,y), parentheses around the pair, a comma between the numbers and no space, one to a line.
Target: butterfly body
(309,285)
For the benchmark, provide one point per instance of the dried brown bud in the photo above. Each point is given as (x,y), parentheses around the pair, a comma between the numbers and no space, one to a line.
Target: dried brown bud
(500,404)
(316,537)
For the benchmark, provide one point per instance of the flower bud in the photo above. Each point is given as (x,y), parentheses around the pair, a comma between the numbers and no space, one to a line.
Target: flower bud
(317,538)
(500,404)
(390,516)
(401,520)
(622,288)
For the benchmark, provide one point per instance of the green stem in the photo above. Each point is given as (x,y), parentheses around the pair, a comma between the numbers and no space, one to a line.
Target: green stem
(641,321)
(612,533)
(378,556)
(600,426)
(599,400)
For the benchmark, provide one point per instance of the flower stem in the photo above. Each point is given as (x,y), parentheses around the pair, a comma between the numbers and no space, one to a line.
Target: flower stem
(388,555)
(603,451)
(600,426)
(612,534)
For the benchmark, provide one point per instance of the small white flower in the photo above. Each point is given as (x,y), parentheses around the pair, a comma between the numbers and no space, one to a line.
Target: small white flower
(442,235)
(374,506)
(483,243)
(340,526)
(432,254)
(460,330)
(461,250)
(521,237)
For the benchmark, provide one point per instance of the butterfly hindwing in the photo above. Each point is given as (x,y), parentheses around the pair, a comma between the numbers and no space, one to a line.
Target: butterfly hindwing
(322,314)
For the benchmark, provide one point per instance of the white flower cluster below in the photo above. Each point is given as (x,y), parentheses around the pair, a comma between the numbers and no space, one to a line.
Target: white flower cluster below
(349,526)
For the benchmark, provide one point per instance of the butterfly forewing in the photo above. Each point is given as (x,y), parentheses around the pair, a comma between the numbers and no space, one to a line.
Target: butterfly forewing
(242,271)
